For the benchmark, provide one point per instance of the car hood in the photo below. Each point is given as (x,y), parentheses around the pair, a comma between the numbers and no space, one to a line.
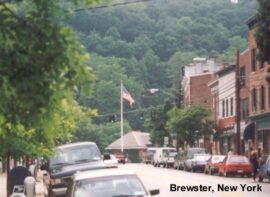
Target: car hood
(69,170)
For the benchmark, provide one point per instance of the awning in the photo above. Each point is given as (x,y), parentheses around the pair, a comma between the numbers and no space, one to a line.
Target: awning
(249,132)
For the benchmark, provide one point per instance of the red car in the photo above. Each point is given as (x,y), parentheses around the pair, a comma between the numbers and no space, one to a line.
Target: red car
(212,164)
(235,164)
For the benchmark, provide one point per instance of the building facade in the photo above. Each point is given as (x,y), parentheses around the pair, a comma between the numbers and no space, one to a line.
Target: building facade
(255,95)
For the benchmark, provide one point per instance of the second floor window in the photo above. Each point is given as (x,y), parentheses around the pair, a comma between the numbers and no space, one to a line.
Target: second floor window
(227,107)
(242,76)
(254,100)
(232,106)
(262,98)
(253,60)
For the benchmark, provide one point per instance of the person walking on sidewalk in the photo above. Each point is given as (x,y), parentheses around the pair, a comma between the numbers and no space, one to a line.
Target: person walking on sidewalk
(255,163)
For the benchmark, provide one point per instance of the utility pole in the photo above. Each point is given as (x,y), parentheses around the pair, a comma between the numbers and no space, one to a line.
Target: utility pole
(237,100)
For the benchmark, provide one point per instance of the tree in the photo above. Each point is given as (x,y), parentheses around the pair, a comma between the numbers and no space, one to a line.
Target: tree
(42,63)
(103,134)
(263,31)
(157,122)
(187,122)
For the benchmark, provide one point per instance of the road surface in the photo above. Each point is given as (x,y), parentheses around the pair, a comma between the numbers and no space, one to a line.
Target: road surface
(207,185)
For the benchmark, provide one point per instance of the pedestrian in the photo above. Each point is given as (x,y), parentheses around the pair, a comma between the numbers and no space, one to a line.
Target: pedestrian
(255,164)
(230,152)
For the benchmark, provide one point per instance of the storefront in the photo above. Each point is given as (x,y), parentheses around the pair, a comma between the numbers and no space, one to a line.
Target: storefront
(262,122)
(227,140)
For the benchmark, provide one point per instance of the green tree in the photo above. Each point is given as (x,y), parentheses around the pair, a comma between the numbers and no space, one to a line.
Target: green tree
(262,30)
(102,134)
(42,62)
(187,123)
(156,124)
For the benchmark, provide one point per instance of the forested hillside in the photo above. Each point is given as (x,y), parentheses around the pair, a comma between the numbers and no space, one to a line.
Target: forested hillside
(145,44)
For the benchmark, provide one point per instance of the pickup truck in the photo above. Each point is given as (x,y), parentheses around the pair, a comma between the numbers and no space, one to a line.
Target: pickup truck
(67,160)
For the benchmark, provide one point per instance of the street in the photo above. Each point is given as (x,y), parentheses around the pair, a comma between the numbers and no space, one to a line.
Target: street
(162,178)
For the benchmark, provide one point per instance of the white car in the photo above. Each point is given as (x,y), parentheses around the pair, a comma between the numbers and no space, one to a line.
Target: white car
(110,161)
(162,156)
(108,183)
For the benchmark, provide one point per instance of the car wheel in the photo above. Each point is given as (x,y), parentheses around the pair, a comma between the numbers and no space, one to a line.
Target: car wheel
(248,175)
(260,179)
(205,171)
(210,171)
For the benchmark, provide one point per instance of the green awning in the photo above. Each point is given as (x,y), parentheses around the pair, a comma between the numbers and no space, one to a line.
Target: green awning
(262,121)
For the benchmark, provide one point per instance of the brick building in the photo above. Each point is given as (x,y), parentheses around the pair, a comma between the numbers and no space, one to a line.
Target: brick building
(255,96)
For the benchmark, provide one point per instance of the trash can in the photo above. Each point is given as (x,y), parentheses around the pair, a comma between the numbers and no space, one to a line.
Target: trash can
(29,183)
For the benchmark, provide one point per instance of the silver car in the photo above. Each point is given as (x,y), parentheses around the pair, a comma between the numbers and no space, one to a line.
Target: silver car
(108,183)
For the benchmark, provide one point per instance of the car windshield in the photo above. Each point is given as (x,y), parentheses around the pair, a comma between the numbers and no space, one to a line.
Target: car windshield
(110,187)
(238,160)
(217,158)
(75,155)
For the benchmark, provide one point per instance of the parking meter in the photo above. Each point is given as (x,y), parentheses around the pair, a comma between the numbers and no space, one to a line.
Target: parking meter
(29,183)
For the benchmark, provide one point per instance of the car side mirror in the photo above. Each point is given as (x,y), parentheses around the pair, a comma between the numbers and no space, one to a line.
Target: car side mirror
(154,192)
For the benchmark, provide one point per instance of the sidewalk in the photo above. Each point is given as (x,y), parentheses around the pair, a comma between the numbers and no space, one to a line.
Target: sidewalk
(3,184)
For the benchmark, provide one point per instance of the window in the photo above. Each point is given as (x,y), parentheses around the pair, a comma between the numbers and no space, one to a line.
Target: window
(232,106)
(242,76)
(262,98)
(253,60)
(223,108)
(227,107)
(244,109)
(254,100)
(261,64)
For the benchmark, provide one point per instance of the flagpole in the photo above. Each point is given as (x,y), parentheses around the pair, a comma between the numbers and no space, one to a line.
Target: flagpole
(122,121)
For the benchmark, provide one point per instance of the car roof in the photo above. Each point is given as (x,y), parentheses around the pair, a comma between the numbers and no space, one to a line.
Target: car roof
(102,173)
(71,145)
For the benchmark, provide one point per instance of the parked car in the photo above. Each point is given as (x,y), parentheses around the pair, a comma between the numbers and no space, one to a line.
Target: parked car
(189,154)
(161,156)
(69,159)
(150,152)
(121,157)
(108,183)
(235,164)
(264,169)
(110,160)
(197,162)
(211,166)
(169,159)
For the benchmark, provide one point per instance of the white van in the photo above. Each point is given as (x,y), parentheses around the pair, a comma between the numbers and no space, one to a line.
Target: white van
(163,156)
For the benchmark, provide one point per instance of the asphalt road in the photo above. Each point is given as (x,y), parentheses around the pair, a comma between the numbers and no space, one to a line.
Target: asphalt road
(164,179)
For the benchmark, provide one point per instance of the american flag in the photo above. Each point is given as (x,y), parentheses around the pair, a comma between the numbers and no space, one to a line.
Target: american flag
(127,96)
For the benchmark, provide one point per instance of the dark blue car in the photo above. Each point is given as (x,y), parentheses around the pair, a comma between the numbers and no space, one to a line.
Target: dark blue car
(264,170)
